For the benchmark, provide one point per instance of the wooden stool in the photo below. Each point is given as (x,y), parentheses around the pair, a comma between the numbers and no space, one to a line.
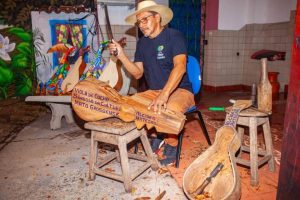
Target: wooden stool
(253,118)
(119,133)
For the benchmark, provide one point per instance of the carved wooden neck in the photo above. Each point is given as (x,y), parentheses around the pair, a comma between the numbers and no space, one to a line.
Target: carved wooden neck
(232,117)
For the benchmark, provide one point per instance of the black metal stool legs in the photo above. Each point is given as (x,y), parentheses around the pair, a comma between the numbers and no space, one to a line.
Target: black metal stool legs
(180,136)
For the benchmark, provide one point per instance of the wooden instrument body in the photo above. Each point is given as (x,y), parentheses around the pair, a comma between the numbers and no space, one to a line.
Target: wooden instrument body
(53,85)
(74,73)
(226,185)
(94,100)
(114,65)
(112,73)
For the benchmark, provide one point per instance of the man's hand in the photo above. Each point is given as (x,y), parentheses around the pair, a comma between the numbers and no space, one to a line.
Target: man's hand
(160,102)
(115,47)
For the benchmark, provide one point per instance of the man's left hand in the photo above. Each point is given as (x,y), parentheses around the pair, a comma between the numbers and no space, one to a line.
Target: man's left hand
(160,102)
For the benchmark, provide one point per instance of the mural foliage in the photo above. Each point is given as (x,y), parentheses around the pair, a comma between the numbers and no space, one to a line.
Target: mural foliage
(17,65)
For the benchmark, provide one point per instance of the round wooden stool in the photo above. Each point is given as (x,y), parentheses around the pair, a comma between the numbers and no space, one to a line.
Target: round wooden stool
(116,132)
(253,118)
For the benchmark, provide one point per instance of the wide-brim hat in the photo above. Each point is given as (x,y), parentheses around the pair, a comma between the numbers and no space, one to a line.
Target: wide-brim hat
(165,13)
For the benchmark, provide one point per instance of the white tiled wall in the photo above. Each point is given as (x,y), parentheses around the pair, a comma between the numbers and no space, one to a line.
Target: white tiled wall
(120,31)
(129,32)
(224,67)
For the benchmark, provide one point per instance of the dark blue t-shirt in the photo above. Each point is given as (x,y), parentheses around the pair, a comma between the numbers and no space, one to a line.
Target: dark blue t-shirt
(157,57)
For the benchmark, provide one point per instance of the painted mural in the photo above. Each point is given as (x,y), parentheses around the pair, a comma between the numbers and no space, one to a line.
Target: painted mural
(59,39)
(23,58)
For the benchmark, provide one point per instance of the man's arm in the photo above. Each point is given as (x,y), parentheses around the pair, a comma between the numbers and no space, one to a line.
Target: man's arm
(173,81)
(136,69)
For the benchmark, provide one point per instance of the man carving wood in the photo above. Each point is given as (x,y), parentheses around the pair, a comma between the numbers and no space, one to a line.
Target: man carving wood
(161,56)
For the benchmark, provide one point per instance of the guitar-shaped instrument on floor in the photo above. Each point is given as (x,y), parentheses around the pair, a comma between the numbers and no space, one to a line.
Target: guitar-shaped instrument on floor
(94,100)
(213,174)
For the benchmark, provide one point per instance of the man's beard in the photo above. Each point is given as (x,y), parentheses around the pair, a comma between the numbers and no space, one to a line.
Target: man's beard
(145,33)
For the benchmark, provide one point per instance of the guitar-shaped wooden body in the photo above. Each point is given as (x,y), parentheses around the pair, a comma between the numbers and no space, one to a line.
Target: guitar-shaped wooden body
(75,72)
(109,73)
(112,73)
(94,100)
(53,85)
(114,66)
(226,184)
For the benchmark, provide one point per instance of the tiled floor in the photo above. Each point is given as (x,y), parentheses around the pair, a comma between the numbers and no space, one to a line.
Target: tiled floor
(194,143)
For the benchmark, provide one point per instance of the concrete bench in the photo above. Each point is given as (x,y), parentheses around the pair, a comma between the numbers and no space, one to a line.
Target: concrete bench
(60,107)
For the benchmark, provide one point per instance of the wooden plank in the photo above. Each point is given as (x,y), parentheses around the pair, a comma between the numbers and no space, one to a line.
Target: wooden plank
(253,151)
(125,165)
(140,170)
(111,125)
(105,137)
(260,151)
(106,160)
(111,175)
(240,132)
(138,157)
(269,145)
(93,158)
(57,99)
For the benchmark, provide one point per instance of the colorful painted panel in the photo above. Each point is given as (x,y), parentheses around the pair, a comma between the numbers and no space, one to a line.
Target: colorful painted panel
(58,39)
(72,32)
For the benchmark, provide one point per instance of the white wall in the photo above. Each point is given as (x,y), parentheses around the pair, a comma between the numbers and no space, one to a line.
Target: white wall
(118,13)
(234,14)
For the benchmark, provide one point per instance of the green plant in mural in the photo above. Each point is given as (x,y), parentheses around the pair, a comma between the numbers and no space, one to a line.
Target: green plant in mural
(38,41)
(20,69)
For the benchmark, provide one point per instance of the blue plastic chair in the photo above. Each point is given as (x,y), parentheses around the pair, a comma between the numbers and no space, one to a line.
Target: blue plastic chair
(194,74)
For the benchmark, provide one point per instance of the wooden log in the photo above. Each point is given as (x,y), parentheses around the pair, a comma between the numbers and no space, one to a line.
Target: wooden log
(94,100)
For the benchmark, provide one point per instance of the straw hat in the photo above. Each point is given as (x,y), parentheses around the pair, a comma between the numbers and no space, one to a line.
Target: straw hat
(144,6)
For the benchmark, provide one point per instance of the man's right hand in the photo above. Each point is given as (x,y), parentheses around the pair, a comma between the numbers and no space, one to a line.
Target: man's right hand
(115,47)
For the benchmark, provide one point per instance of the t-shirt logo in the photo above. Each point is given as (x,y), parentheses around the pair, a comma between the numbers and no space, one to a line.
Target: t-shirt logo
(160,54)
